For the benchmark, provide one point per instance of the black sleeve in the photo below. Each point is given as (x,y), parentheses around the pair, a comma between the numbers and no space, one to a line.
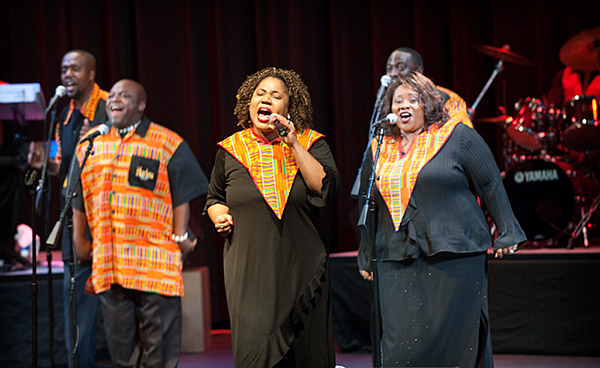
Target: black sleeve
(483,172)
(216,188)
(367,234)
(331,182)
(75,179)
(186,178)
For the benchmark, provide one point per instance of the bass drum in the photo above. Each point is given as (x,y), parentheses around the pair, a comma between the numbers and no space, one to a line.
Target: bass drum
(547,198)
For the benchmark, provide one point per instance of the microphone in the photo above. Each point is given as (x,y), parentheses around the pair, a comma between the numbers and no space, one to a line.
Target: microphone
(102,129)
(58,94)
(385,82)
(391,118)
(280,129)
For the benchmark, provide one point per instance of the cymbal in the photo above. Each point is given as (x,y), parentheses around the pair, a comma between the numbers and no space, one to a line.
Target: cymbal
(503,54)
(501,119)
(581,51)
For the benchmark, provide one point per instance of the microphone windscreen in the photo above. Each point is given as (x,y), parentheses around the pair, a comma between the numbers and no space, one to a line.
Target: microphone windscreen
(103,129)
(60,91)
(385,80)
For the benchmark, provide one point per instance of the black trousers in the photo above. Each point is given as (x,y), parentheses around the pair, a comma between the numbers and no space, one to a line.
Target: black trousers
(142,329)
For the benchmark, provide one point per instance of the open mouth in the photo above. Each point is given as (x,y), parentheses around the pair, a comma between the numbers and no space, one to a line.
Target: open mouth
(405,116)
(70,86)
(116,111)
(263,114)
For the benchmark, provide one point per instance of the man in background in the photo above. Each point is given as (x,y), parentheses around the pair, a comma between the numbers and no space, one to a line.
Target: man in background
(86,109)
(405,59)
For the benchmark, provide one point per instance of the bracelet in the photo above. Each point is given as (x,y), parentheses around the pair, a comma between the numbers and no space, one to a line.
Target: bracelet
(180,238)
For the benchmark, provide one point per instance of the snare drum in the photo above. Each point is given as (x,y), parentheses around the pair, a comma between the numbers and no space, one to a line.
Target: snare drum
(547,197)
(581,126)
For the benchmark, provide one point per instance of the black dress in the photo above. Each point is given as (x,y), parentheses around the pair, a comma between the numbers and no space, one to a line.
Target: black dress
(432,271)
(276,275)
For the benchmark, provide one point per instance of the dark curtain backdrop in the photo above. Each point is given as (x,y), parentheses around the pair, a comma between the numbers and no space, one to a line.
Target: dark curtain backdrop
(193,55)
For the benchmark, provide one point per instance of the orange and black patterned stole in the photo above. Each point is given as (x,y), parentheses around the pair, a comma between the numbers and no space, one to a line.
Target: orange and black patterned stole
(90,105)
(456,106)
(271,165)
(88,110)
(398,172)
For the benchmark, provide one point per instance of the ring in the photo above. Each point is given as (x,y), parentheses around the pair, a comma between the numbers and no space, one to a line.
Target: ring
(511,251)
(221,226)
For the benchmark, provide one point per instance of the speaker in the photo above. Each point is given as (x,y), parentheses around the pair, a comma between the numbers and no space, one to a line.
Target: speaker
(196,316)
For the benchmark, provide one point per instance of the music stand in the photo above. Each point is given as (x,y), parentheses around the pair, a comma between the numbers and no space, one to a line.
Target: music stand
(25,102)
(22,102)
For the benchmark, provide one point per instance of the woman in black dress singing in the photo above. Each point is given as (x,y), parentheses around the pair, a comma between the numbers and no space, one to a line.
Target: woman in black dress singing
(430,233)
(267,184)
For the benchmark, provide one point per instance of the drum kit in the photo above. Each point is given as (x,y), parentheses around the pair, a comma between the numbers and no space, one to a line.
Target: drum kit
(551,153)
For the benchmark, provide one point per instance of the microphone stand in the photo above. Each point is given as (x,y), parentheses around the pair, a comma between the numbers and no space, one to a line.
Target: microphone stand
(41,186)
(29,181)
(374,118)
(37,209)
(363,223)
(68,213)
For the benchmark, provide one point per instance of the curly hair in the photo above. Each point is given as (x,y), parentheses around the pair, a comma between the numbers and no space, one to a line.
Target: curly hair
(300,107)
(430,99)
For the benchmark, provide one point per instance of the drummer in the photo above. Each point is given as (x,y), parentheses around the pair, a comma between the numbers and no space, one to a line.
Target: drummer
(581,76)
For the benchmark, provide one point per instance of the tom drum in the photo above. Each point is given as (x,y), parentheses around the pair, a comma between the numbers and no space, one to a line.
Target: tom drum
(581,124)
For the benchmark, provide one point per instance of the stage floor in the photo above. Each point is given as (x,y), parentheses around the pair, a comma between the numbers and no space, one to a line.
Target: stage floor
(220,356)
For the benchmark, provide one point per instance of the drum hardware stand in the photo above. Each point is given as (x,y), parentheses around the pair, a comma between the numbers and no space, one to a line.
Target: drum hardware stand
(507,150)
(582,225)
(499,67)
(503,54)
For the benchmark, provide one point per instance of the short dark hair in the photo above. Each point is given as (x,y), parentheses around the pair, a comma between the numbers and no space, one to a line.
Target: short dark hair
(88,56)
(415,55)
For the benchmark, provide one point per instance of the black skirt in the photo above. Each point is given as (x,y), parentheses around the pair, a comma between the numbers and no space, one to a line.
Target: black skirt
(434,311)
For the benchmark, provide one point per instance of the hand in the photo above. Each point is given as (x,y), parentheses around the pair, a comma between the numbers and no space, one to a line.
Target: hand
(84,129)
(366,275)
(502,251)
(289,127)
(224,224)
(35,157)
(187,246)
(84,251)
